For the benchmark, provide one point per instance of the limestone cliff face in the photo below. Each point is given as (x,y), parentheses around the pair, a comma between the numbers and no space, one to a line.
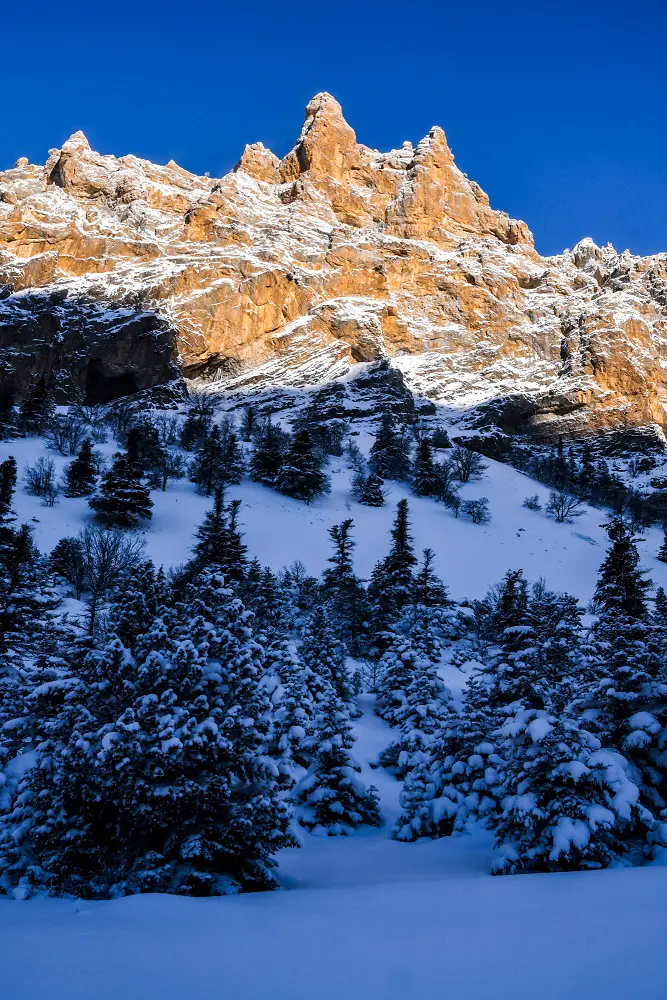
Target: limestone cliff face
(288,272)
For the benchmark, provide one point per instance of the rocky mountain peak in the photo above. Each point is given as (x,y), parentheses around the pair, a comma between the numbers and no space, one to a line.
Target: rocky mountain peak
(287,272)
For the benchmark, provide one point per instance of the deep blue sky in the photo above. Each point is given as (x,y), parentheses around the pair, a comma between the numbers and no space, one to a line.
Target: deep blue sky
(557,109)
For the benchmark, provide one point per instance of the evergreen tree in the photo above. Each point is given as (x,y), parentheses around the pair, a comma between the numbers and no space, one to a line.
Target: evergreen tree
(207,469)
(371,493)
(421,715)
(568,804)
(7,400)
(662,554)
(294,708)
(331,799)
(37,408)
(458,781)
(80,474)
(141,599)
(7,487)
(428,591)
(627,697)
(425,475)
(27,597)
(249,423)
(233,461)
(157,778)
(389,456)
(122,499)
(344,594)
(301,473)
(621,587)
(197,423)
(270,450)
(66,561)
(391,584)
(323,657)
(220,543)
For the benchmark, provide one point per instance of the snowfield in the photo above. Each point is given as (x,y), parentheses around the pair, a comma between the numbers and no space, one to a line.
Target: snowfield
(361,917)
(469,558)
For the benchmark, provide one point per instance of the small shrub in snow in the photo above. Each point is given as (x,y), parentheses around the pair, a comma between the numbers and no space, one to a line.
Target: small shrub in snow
(477,510)
(564,506)
(40,479)
(65,434)
(532,503)
(467,464)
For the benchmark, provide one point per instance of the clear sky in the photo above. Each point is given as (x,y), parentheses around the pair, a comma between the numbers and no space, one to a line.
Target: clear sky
(557,109)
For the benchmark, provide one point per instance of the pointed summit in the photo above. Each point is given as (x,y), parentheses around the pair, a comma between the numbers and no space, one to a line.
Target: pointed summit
(327,145)
(76,141)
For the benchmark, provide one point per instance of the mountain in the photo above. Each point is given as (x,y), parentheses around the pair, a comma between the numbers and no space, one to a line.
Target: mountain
(118,275)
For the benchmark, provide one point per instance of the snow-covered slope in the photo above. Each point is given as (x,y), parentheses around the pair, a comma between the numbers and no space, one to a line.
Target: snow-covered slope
(278,529)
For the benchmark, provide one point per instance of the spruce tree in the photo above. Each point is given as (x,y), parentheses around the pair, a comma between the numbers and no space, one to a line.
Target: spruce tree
(568,803)
(345,597)
(207,469)
(425,475)
(249,423)
(233,461)
(330,798)
(458,781)
(80,474)
(621,587)
(38,407)
(389,456)
(662,554)
(324,659)
(122,499)
(156,777)
(371,493)
(220,543)
(422,714)
(391,583)
(270,448)
(301,475)
(197,425)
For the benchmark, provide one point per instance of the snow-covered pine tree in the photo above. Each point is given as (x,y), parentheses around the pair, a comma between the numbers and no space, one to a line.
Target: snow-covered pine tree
(270,448)
(301,473)
(157,778)
(344,595)
(425,475)
(569,803)
(38,407)
(249,423)
(207,469)
(662,554)
(197,424)
(324,659)
(425,710)
(233,460)
(331,800)
(371,492)
(293,708)
(391,583)
(142,598)
(122,499)
(389,456)
(627,699)
(220,543)
(459,779)
(81,474)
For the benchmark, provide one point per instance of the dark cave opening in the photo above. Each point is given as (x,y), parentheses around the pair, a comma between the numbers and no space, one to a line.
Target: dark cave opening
(102,388)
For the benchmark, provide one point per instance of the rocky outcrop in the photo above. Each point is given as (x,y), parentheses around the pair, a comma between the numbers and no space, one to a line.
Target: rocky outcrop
(288,272)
